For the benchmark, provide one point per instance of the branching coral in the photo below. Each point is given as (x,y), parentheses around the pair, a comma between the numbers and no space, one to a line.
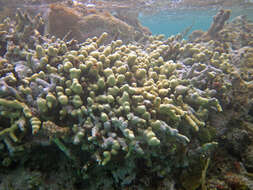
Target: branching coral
(116,104)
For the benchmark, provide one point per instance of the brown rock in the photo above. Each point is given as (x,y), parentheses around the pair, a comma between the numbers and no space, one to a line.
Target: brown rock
(64,21)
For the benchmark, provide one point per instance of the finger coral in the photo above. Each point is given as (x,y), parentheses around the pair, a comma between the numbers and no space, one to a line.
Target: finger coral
(110,107)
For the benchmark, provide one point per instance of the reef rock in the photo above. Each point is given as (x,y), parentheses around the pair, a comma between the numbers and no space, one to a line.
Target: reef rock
(71,24)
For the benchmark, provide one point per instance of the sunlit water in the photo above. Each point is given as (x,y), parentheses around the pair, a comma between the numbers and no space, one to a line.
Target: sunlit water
(171,22)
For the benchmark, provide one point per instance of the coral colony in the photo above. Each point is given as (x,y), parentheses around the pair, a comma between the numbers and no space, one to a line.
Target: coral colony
(122,113)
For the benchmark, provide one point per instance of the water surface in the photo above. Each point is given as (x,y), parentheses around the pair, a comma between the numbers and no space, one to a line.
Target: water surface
(173,21)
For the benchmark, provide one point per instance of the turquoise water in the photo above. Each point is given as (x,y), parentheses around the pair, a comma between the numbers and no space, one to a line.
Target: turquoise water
(171,22)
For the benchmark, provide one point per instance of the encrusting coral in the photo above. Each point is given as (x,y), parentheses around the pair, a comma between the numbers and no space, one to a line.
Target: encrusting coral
(117,104)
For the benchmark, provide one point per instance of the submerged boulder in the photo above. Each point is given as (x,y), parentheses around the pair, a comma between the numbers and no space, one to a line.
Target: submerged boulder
(67,22)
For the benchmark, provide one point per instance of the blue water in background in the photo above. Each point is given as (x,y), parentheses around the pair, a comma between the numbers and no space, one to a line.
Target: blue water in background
(171,22)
